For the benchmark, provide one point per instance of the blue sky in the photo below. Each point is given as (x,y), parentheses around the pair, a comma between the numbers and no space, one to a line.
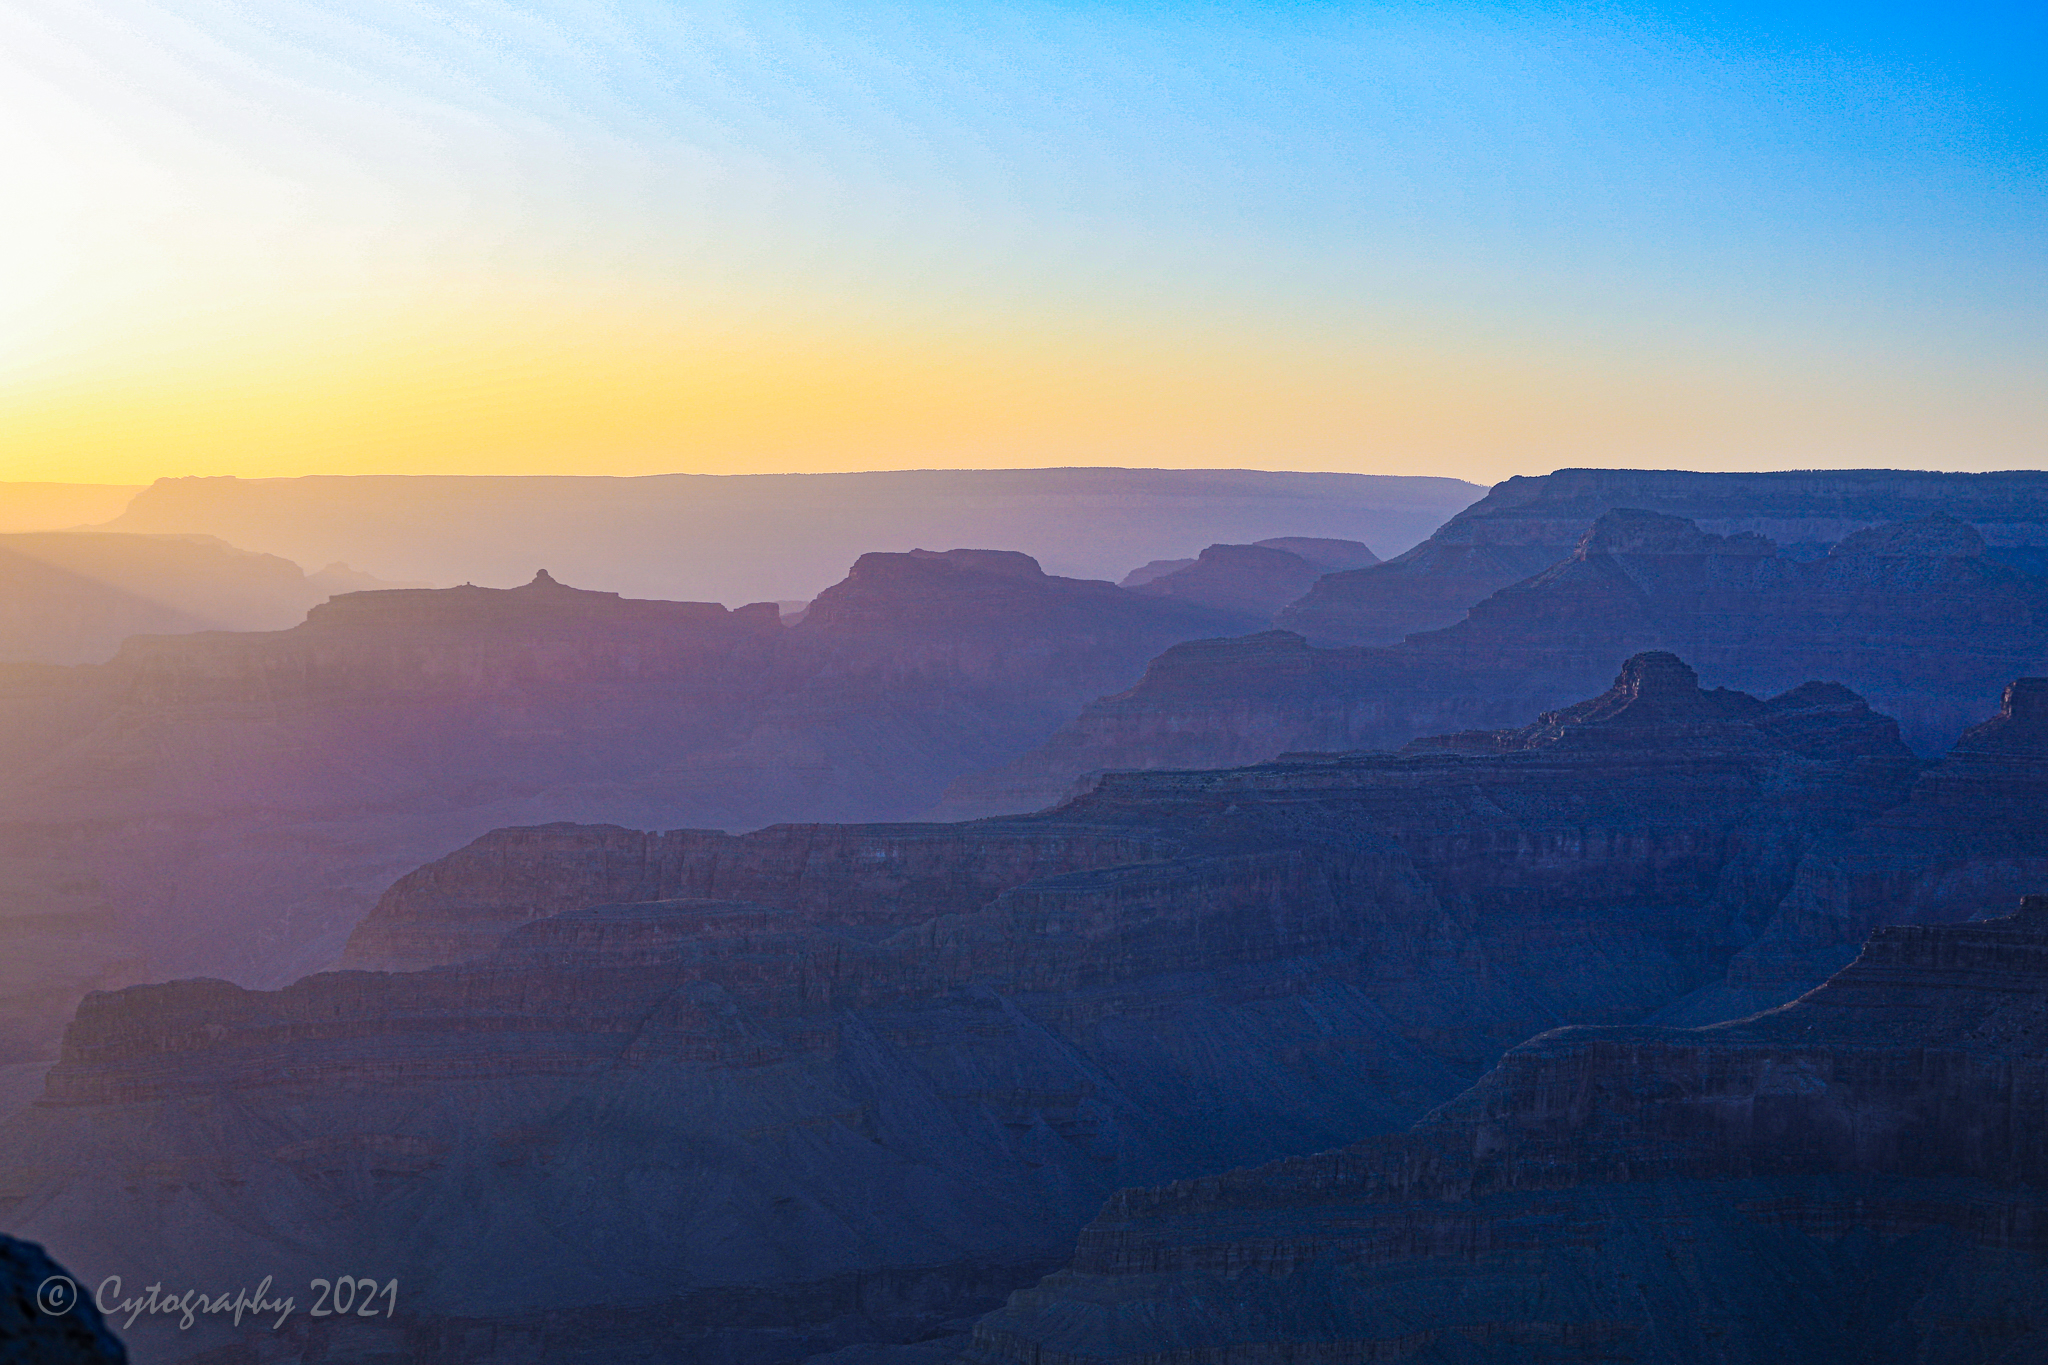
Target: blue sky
(1465,238)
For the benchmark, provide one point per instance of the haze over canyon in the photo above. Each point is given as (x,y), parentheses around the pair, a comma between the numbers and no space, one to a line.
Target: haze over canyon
(1320,941)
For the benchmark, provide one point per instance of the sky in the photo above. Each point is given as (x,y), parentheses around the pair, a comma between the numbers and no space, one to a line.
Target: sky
(475,236)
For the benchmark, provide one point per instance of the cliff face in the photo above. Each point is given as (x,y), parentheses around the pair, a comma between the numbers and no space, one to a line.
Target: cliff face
(846,1084)
(1915,616)
(231,803)
(1526,524)
(1973,832)
(1860,1175)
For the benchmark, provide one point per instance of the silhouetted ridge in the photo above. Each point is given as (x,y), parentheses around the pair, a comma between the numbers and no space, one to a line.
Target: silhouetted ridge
(1658,690)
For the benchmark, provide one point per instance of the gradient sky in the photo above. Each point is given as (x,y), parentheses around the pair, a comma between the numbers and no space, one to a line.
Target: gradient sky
(474,236)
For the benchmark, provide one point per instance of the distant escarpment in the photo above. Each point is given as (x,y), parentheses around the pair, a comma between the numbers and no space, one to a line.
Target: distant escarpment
(1861,1175)
(1915,616)
(845,1084)
(231,803)
(1526,524)
(72,597)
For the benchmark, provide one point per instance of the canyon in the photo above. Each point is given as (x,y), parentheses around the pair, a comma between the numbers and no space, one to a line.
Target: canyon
(1859,1175)
(761,1097)
(1917,616)
(230,803)
(1527,523)
(750,537)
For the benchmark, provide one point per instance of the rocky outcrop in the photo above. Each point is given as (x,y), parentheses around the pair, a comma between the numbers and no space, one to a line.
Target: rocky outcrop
(1860,1175)
(1526,524)
(43,1318)
(847,1084)
(1915,616)
(230,803)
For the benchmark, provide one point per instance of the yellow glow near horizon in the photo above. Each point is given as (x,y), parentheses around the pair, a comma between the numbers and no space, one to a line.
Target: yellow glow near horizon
(471,390)
(413,238)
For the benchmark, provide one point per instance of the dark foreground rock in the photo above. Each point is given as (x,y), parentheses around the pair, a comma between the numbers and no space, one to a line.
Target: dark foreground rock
(1861,1175)
(44,1320)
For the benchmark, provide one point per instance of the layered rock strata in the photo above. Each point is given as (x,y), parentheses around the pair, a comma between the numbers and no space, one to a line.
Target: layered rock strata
(230,804)
(1915,616)
(1973,832)
(1526,524)
(853,1105)
(1859,1175)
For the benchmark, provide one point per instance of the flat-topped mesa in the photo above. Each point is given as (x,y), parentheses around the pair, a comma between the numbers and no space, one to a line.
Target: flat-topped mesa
(982,591)
(1609,1193)
(540,604)
(1254,580)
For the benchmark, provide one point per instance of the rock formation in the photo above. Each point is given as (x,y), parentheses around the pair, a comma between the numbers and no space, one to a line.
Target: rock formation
(1239,578)
(1860,1175)
(1916,616)
(1254,580)
(780,536)
(852,1083)
(1973,832)
(230,804)
(1526,524)
(43,1319)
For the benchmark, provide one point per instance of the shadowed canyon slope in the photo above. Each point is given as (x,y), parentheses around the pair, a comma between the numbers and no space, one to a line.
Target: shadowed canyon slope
(1916,616)
(1860,1175)
(815,1085)
(1524,525)
(231,803)
(738,538)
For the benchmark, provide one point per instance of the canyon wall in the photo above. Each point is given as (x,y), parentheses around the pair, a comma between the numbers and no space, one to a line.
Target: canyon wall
(816,1094)
(1916,616)
(1525,524)
(1860,1175)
